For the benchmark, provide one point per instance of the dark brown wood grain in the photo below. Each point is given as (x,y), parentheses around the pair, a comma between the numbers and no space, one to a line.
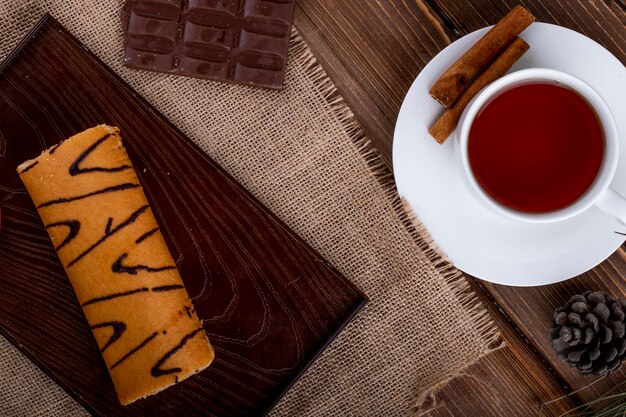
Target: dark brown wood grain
(269,303)
(373,51)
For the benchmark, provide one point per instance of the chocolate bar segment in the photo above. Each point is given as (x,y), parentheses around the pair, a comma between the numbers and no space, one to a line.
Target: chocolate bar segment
(239,41)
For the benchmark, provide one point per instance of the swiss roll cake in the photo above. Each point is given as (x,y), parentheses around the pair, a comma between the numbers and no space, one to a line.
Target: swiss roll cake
(126,281)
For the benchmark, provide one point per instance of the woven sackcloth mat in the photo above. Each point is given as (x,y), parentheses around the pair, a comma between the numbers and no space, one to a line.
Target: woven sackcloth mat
(301,153)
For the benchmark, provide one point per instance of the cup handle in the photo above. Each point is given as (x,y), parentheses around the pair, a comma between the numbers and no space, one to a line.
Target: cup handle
(614,204)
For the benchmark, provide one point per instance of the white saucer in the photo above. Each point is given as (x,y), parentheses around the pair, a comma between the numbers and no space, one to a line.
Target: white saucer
(482,243)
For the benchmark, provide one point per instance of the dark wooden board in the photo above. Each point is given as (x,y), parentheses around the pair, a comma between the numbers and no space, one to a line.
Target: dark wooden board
(373,51)
(270,304)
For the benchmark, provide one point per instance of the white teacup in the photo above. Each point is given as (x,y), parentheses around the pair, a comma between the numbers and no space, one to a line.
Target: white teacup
(599,193)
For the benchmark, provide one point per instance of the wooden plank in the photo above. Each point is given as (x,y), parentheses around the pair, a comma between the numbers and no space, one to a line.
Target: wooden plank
(505,384)
(531,309)
(372,50)
(516,380)
(526,376)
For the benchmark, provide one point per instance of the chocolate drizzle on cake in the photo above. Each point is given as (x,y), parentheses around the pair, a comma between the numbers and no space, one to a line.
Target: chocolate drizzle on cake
(133,269)
(75,168)
(108,232)
(114,295)
(120,187)
(161,288)
(54,148)
(74,227)
(156,370)
(118,328)
(135,349)
(146,235)
(107,228)
(164,288)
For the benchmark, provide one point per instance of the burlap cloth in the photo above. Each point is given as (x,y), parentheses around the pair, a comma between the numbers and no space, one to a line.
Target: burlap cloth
(299,152)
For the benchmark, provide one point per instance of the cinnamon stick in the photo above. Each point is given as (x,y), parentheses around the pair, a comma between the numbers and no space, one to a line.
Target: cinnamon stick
(449,87)
(446,124)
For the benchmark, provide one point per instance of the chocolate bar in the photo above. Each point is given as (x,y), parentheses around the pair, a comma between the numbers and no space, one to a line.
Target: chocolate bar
(238,41)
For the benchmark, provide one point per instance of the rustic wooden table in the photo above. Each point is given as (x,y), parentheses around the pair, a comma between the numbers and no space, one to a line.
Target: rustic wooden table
(373,50)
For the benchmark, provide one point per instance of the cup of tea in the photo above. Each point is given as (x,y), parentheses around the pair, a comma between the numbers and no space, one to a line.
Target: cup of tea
(540,145)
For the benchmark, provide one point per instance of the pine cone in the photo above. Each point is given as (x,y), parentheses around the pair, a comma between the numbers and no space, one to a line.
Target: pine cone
(588,332)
